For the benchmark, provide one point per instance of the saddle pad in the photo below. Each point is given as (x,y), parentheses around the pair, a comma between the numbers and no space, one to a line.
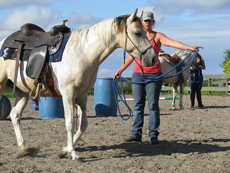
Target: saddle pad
(8,53)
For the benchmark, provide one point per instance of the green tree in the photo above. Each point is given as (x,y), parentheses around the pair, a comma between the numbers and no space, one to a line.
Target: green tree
(226,63)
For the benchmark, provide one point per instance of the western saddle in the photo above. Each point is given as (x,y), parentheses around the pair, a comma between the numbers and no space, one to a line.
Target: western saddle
(41,44)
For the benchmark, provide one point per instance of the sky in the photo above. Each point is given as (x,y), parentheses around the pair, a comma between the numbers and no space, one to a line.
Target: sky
(193,22)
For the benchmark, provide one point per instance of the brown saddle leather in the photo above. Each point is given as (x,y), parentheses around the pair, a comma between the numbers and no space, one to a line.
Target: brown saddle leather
(32,36)
(174,61)
(41,43)
(31,29)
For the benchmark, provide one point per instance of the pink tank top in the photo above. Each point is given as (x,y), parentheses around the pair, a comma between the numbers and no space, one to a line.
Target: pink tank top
(152,69)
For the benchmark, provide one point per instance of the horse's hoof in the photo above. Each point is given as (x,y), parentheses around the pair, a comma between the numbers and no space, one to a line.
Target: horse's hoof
(61,155)
(31,151)
(79,160)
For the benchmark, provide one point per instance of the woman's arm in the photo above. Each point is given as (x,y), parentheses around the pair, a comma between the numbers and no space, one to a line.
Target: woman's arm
(203,64)
(127,63)
(162,39)
(177,52)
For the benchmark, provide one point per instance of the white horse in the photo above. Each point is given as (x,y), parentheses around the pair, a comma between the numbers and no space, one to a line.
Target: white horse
(166,66)
(75,75)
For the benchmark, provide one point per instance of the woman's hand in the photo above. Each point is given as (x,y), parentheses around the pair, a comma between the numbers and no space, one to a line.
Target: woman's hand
(116,75)
(193,48)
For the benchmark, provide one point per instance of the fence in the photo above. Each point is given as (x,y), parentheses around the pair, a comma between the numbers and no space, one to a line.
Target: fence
(211,83)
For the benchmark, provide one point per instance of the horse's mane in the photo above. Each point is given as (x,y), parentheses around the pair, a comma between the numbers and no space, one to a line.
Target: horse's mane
(105,30)
(186,52)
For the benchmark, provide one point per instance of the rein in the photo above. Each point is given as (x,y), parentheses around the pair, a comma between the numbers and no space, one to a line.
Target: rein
(115,90)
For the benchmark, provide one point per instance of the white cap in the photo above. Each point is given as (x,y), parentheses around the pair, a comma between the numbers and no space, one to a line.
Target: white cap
(147,16)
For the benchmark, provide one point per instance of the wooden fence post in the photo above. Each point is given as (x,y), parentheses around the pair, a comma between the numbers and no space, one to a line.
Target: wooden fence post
(209,84)
(227,84)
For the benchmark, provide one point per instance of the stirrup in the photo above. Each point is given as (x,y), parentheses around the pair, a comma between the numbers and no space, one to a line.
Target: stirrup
(37,95)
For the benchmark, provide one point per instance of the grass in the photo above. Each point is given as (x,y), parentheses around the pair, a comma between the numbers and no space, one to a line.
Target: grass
(9,93)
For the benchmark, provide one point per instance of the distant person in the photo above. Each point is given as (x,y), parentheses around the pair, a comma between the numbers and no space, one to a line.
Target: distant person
(196,81)
(173,57)
(151,89)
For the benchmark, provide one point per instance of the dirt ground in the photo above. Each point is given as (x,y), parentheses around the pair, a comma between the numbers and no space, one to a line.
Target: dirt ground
(190,141)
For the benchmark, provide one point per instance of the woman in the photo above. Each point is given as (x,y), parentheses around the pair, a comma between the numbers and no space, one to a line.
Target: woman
(151,89)
(197,82)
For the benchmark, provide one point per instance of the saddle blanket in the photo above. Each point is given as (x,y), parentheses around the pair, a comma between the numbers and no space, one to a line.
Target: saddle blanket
(9,53)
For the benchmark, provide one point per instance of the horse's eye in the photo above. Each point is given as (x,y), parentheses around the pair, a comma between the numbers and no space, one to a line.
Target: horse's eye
(137,33)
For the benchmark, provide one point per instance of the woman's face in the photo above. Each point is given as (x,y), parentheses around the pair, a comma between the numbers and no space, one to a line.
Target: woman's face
(147,24)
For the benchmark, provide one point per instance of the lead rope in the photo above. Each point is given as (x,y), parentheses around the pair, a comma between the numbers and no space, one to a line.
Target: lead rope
(115,90)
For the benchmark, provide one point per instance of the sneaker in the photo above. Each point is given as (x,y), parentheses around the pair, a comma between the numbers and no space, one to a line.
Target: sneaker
(131,139)
(201,106)
(192,108)
(154,140)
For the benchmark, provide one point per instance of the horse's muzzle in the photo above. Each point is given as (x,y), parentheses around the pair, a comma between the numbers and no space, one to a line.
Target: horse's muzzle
(149,58)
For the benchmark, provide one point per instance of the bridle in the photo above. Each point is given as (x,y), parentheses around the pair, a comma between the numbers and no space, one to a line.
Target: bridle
(142,52)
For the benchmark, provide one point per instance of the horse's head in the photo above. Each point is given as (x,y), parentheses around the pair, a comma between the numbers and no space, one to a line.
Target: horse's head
(133,38)
(189,53)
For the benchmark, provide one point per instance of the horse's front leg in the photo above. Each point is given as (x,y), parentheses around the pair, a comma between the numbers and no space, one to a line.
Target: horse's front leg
(174,96)
(15,115)
(82,120)
(69,107)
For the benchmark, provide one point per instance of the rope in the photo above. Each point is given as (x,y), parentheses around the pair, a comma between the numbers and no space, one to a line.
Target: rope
(115,90)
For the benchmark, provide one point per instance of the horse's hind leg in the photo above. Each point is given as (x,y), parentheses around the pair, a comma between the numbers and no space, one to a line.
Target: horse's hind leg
(174,96)
(181,94)
(82,122)
(69,119)
(16,113)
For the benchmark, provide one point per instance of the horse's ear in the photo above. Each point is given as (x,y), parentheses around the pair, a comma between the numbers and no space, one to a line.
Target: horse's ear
(133,15)
(140,15)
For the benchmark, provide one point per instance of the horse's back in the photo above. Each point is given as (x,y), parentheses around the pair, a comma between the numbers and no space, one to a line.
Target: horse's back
(165,66)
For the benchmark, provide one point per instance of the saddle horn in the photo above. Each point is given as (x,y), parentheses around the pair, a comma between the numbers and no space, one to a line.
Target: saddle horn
(63,22)
(60,28)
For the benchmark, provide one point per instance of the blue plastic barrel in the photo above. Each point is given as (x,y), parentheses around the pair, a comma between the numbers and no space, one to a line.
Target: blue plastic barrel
(35,106)
(104,99)
(50,108)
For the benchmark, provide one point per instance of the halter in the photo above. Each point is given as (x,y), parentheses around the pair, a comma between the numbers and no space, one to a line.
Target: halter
(142,53)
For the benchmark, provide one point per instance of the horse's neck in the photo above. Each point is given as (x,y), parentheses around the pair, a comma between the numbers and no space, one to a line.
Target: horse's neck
(187,60)
(97,41)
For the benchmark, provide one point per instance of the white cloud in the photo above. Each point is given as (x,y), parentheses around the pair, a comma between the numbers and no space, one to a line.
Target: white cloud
(174,10)
(193,22)
(39,16)
(105,73)
(218,71)
(17,3)
(86,18)
(198,6)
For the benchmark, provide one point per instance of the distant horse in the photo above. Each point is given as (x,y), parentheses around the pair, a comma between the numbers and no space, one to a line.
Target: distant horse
(176,80)
(76,73)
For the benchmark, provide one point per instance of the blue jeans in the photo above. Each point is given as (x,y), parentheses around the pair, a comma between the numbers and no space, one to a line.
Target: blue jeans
(152,90)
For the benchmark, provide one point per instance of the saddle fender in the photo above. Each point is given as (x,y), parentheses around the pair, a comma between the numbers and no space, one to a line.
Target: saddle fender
(36,61)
